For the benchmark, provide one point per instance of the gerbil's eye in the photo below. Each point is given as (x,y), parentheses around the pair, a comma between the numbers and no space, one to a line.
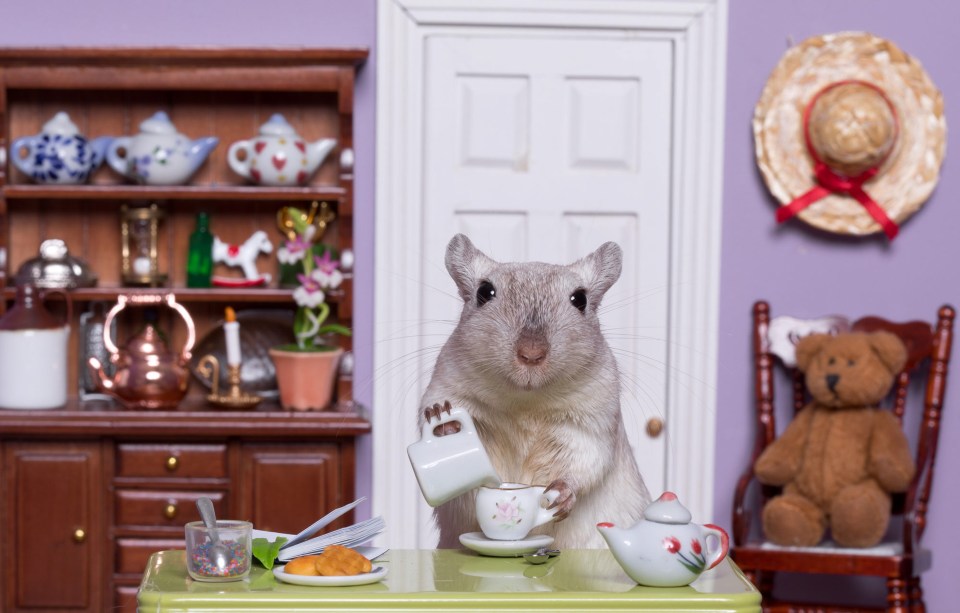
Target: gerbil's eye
(832,361)
(485,293)
(579,299)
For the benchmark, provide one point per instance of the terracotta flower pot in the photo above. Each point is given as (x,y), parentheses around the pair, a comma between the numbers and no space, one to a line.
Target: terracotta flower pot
(305,378)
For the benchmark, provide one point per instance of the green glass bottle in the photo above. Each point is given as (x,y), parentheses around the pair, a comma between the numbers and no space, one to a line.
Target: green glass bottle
(200,256)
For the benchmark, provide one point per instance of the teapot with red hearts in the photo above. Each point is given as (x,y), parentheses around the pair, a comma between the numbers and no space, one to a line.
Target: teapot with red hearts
(278,156)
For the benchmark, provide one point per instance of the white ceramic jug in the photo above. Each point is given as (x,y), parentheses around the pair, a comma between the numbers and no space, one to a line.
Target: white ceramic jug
(450,465)
(33,353)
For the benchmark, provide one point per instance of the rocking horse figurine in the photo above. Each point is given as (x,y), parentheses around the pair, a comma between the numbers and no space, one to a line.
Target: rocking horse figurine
(245,257)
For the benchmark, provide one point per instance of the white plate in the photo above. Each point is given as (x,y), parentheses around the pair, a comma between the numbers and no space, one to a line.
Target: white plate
(504,549)
(377,574)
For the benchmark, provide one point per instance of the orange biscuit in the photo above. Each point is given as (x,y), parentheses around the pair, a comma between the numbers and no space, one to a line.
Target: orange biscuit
(302,566)
(337,560)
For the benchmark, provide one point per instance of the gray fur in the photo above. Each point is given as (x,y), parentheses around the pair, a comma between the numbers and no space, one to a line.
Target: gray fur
(558,420)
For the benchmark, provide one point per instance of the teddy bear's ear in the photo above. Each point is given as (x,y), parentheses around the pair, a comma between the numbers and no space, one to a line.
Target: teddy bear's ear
(890,349)
(808,347)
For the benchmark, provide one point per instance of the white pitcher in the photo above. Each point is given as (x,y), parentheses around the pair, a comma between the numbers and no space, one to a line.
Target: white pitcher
(450,465)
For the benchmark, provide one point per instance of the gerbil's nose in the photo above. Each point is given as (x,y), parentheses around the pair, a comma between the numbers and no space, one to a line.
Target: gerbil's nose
(532,349)
(832,381)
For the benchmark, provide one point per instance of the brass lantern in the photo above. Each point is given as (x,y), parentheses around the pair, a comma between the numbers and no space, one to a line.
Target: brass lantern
(139,227)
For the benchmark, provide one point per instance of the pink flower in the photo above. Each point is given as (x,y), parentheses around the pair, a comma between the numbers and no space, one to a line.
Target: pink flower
(508,511)
(309,294)
(671,544)
(326,273)
(695,545)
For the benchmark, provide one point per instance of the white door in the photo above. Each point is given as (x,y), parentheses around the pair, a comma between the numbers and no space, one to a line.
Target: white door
(543,149)
(541,129)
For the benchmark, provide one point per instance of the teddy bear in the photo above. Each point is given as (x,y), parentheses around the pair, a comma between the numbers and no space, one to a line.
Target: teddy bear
(841,457)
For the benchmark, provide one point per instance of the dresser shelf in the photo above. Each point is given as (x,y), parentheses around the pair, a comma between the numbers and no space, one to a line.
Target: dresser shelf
(267,195)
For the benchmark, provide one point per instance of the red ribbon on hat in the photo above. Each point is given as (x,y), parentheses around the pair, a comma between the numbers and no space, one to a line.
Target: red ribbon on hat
(830,182)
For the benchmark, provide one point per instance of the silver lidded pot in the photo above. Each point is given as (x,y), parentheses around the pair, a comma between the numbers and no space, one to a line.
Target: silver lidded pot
(55,268)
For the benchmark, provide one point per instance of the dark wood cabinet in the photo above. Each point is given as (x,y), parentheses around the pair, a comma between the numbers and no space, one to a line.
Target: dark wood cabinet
(53,526)
(91,490)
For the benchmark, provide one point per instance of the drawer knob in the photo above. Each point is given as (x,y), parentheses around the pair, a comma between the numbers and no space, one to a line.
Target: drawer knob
(654,427)
(170,511)
(79,535)
(173,462)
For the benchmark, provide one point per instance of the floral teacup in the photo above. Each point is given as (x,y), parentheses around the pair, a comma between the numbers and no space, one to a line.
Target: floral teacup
(511,511)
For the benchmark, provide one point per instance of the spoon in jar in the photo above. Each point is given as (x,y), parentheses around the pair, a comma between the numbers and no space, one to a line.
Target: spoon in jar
(218,551)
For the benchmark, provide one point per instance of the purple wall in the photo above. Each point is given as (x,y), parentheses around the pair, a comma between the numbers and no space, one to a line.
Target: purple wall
(799,270)
(287,23)
(806,273)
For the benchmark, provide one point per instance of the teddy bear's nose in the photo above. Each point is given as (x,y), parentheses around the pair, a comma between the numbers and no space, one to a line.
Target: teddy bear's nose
(832,381)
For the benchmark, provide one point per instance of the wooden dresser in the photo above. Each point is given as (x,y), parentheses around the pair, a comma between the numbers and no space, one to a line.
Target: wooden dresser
(91,490)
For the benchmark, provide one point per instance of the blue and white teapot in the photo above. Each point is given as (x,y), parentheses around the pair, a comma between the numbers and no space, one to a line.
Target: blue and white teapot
(59,154)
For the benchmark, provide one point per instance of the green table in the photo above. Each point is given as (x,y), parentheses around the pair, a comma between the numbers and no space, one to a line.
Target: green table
(446,579)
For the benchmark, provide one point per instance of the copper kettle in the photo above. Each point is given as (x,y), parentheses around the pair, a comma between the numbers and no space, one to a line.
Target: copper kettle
(148,374)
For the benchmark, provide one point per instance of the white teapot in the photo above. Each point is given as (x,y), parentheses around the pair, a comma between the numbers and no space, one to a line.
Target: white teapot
(278,156)
(159,155)
(664,549)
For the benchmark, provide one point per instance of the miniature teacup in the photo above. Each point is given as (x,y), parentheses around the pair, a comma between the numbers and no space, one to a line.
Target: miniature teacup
(450,465)
(511,511)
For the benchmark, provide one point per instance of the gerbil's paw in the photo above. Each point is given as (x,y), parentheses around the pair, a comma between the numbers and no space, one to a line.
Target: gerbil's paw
(565,501)
(436,412)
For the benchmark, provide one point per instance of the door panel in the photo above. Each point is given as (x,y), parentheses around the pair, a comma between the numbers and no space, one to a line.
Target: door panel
(538,153)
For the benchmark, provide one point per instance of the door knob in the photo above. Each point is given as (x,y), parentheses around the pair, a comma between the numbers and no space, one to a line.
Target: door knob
(654,427)
(79,535)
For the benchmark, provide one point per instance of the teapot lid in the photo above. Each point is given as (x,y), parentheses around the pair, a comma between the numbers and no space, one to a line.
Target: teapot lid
(60,124)
(55,267)
(277,126)
(667,510)
(158,123)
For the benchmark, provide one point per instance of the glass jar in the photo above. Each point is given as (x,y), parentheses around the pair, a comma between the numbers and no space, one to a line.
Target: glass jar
(237,539)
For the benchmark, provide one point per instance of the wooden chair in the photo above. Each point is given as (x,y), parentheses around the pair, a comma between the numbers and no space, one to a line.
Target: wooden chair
(899,561)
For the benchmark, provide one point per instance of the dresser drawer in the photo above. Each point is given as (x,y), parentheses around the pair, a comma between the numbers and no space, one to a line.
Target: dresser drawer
(163,509)
(173,461)
(133,553)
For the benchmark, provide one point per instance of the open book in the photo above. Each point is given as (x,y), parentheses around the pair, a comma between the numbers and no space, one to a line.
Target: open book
(351,536)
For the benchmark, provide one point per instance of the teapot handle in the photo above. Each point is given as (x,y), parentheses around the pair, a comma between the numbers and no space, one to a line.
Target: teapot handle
(717,555)
(21,162)
(242,168)
(120,164)
(147,300)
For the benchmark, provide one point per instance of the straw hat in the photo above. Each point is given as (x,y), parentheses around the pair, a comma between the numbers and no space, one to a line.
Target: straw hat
(849,134)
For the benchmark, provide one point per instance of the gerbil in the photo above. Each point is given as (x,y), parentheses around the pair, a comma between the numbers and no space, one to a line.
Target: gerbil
(529,363)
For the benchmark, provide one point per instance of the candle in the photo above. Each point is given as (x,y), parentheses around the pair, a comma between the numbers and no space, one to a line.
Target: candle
(231,330)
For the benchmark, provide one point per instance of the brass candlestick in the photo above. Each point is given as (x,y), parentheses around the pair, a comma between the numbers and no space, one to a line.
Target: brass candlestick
(209,367)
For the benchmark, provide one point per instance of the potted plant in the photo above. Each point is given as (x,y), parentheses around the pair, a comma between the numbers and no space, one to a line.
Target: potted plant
(306,370)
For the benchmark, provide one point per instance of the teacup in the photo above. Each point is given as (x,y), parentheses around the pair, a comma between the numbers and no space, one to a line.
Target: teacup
(453,464)
(511,511)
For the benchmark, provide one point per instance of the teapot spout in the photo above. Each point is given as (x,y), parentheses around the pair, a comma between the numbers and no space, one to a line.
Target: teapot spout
(318,151)
(199,150)
(613,535)
(99,148)
(104,383)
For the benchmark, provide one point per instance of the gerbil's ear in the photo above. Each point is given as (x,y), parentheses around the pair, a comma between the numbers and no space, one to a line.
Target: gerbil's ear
(890,349)
(601,269)
(467,265)
(808,347)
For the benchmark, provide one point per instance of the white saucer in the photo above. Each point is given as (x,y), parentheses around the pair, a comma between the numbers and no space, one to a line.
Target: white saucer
(504,549)
(377,574)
